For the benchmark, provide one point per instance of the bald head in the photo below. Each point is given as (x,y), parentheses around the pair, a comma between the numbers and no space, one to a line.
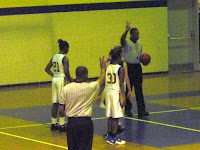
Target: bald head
(81,72)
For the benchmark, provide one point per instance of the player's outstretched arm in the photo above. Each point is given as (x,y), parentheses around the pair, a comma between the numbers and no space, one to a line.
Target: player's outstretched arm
(121,78)
(101,79)
(100,93)
(123,37)
(48,68)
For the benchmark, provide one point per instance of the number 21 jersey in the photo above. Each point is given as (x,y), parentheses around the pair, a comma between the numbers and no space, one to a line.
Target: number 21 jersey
(112,78)
(58,68)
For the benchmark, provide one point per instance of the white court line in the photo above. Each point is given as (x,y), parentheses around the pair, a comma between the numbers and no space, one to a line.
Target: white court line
(33,140)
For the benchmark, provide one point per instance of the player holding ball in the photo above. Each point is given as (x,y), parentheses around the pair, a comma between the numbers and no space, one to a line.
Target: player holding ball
(131,55)
(145,59)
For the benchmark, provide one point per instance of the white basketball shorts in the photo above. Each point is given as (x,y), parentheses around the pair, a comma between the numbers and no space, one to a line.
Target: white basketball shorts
(113,105)
(57,85)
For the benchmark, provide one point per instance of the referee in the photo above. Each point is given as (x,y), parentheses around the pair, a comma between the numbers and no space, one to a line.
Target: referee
(132,52)
(76,101)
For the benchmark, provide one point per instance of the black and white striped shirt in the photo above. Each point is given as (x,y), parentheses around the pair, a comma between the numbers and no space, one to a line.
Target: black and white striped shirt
(78,98)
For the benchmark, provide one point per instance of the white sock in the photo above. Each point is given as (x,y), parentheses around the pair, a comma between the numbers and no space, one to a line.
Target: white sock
(119,122)
(62,120)
(54,120)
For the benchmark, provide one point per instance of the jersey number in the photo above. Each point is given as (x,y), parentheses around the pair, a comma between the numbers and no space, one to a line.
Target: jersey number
(56,67)
(112,78)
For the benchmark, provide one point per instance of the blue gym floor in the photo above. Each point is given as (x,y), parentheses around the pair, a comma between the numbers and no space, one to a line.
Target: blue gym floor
(173,123)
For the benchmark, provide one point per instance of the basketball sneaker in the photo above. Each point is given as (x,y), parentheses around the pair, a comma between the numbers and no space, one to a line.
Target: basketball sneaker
(110,140)
(114,140)
(54,127)
(119,141)
(120,129)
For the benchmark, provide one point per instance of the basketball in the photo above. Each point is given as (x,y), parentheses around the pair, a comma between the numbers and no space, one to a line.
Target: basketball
(145,59)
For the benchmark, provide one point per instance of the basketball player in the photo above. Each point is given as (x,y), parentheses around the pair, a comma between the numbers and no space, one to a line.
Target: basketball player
(115,95)
(131,55)
(61,75)
(126,83)
(76,102)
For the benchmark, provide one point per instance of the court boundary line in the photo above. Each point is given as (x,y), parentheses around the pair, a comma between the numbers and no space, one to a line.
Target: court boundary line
(34,125)
(175,110)
(33,140)
(163,124)
(63,147)
(185,128)
(24,126)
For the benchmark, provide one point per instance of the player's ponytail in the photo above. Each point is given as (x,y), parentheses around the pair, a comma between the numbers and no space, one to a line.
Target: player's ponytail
(63,44)
(60,41)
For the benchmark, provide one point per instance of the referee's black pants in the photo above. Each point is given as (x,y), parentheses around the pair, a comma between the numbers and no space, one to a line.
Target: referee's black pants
(79,133)
(135,77)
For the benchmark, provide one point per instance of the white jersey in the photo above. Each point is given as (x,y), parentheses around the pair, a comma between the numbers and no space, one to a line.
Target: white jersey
(112,78)
(58,67)
(132,52)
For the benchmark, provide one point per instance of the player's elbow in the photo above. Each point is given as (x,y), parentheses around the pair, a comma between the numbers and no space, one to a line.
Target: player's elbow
(122,42)
(46,70)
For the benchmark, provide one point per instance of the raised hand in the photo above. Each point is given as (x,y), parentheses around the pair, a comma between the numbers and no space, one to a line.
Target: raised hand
(128,27)
(102,63)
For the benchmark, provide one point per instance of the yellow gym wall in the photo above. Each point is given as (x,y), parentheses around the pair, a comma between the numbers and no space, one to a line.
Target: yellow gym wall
(28,42)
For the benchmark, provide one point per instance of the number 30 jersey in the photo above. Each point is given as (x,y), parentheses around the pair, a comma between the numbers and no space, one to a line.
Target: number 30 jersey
(112,78)
(58,68)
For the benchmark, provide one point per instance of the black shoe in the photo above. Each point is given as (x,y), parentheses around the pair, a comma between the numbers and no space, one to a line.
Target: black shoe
(120,129)
(141,115)
(145,114)
(128,114)
(54,127)
(62,128)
